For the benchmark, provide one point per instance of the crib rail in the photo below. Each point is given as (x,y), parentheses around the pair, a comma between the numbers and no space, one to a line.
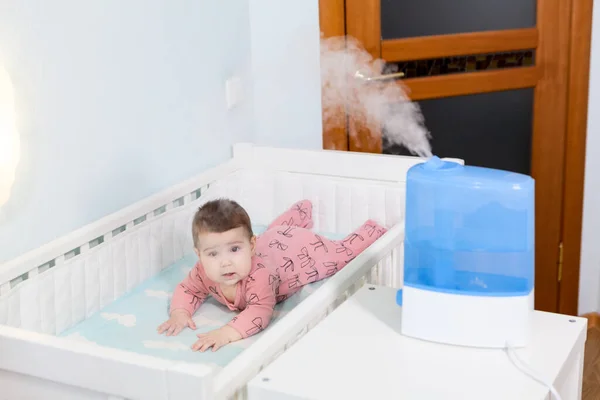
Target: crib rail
(365,268)
(73,364)
(343,164)
(99,233)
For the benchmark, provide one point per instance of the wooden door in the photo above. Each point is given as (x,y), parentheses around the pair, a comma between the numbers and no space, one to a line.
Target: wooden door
(492,80)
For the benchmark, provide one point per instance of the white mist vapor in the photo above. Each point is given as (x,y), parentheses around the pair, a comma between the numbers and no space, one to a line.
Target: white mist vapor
(374,106)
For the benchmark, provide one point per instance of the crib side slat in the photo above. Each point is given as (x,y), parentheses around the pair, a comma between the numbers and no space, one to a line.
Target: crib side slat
(81,237)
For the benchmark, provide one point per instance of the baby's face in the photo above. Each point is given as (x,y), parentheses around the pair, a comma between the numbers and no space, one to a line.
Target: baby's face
(227,256)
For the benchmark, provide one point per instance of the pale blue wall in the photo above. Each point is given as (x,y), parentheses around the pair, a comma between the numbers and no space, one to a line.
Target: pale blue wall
(287,76)
(120,99)
(116,100)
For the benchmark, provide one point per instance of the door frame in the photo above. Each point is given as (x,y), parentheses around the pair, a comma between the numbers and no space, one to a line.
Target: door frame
(564,87)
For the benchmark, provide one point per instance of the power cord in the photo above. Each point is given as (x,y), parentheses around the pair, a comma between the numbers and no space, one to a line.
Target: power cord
(521,365)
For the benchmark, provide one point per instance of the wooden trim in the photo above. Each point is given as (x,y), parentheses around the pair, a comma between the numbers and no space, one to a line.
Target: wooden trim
(428,47)
(593,318)
(363,22)
(332,18)
(471,83)
(577,116)
(548,140)
(332,21)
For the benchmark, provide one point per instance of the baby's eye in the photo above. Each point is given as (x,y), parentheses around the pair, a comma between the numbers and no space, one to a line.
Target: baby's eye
(212,254)
(235,248)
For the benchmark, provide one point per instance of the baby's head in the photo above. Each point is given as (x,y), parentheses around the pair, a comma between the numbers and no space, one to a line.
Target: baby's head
(224,241)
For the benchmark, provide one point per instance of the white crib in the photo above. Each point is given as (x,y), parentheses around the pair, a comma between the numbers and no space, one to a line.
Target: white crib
(49,290)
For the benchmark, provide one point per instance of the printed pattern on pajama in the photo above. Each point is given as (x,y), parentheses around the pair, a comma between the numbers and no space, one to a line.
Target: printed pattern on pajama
(288,255)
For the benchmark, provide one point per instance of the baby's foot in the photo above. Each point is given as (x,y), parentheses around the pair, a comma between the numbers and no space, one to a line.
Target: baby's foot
(299,214)
(357,241)
(372,229)
(302,211)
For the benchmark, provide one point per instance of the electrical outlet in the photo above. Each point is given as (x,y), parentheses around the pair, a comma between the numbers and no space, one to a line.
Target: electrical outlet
(233,91)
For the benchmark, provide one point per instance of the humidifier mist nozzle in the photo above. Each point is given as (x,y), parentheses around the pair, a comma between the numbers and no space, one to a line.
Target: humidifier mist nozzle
(433,163)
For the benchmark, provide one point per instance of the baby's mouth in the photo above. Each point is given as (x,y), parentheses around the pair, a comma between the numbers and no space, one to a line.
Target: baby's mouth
(229,275)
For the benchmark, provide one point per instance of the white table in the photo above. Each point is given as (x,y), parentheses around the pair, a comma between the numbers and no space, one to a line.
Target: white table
(357,352)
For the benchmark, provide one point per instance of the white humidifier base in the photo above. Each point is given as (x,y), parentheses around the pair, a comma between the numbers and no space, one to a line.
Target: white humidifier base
(466,320)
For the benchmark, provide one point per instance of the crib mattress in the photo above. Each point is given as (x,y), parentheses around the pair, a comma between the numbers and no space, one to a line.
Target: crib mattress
(130,322)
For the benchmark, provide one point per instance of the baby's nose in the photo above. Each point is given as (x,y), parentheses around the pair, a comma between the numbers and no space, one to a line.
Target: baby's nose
(225,261)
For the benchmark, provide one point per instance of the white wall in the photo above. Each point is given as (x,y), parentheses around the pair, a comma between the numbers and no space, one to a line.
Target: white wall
(286,71)
(120,99)
(589,283)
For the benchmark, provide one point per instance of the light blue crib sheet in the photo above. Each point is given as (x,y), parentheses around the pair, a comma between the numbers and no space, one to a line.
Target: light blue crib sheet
(130,322)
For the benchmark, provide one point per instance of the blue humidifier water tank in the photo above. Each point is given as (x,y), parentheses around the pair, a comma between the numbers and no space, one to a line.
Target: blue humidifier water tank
(468,255)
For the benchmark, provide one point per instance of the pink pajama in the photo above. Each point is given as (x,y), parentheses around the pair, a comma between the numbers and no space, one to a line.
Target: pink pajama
(288,256)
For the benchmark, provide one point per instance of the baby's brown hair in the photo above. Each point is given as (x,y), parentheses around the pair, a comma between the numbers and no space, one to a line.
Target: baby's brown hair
(219,216)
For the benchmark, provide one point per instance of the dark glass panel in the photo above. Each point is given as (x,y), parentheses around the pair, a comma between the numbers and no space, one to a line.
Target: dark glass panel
(489,130)
(403,19)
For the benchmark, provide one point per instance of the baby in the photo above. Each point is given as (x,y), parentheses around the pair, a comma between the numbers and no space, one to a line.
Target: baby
(251,274)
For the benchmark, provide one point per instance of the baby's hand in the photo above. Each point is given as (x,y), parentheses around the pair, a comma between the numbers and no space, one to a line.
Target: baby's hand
(216,338)
(179,320)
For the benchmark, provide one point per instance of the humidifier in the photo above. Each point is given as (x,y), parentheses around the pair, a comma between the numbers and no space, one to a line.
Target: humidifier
(468,255)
